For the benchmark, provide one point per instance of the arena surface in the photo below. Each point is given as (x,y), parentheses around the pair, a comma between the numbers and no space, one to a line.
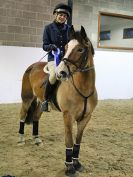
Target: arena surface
(106,149)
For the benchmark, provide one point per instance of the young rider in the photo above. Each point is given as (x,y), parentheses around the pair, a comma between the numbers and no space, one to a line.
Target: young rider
(55,36)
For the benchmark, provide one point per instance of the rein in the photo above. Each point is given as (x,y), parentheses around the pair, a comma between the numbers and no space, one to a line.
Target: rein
(43,57)
(81,68)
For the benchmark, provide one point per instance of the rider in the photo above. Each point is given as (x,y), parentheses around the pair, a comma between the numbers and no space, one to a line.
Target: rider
(55,36)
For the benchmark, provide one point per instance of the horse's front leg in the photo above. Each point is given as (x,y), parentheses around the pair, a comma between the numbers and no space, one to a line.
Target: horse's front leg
(69,144)
(76,148)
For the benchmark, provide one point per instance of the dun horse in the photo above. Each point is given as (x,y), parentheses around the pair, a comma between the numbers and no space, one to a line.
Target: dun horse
(75,94)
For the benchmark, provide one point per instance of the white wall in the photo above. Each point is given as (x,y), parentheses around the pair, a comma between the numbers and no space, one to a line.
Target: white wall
(114,72)
(13,63)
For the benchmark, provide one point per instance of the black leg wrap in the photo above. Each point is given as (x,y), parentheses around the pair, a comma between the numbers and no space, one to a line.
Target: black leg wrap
(76,149)
(35,127)
(69,154)
(21,128)
(77,165)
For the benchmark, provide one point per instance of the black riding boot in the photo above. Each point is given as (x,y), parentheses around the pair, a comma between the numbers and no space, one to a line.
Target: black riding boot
(48,91)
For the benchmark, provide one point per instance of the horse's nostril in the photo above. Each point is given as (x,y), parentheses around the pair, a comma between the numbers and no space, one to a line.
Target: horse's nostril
(63,74)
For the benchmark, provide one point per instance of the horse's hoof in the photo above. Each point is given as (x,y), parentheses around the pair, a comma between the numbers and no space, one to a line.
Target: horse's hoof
(70,170)
(77,165)
(21,140)
(39,144)
(38,141)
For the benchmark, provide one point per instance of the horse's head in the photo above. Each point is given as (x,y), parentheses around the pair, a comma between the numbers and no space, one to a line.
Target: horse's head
(78,55)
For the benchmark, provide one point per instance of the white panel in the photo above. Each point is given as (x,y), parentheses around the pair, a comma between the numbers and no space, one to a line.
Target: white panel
(13,63)
(114,72)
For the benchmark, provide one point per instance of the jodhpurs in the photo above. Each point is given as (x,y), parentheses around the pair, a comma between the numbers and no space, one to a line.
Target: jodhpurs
(52,74)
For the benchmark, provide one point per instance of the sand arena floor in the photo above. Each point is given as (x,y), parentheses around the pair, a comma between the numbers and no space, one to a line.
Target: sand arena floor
(106,149)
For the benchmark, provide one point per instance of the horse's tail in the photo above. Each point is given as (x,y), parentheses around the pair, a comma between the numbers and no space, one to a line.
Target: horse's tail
(30,112)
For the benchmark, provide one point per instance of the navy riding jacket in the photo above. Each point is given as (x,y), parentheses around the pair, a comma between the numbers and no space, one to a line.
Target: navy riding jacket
(55,34)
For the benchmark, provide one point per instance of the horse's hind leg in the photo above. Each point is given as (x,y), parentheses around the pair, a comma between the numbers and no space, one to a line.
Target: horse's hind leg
(23,113)
(36,116)
(76,148)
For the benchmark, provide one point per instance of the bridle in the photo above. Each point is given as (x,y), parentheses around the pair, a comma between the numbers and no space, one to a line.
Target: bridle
(82,63)
(82,67)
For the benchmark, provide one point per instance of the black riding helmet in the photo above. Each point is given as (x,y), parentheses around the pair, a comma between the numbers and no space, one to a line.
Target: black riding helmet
(62,8)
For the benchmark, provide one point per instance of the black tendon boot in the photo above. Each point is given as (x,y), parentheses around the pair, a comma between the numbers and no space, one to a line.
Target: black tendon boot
(48,91)
(21,127)
(76,163)
(69,163)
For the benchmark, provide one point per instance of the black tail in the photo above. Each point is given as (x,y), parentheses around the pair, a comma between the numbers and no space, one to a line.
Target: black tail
(30,113)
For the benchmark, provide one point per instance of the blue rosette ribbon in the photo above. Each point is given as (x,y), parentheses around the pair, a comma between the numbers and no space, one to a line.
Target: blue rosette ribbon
(56,57)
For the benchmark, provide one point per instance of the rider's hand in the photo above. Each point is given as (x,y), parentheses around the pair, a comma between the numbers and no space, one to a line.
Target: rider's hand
(53,47)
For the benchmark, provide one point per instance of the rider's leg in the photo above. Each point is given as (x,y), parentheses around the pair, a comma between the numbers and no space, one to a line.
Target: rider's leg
(49,85)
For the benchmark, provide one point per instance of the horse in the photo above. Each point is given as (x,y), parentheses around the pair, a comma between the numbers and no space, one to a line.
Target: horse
(75,94)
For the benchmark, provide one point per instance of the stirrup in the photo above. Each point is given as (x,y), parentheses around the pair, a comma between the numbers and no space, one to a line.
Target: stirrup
(44,106)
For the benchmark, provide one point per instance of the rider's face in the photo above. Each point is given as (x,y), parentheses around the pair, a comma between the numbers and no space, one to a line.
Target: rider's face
(61,17)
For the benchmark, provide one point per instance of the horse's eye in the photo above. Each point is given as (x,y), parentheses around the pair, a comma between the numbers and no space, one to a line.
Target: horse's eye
(80,50)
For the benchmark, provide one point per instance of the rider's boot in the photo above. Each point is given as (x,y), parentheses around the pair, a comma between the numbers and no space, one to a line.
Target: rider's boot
(48,90)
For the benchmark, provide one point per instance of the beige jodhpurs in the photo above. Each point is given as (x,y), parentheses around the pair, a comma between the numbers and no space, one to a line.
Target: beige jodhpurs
(52,74)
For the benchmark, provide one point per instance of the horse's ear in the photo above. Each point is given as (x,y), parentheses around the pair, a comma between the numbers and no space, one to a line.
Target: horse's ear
(83,34)
(71,32)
